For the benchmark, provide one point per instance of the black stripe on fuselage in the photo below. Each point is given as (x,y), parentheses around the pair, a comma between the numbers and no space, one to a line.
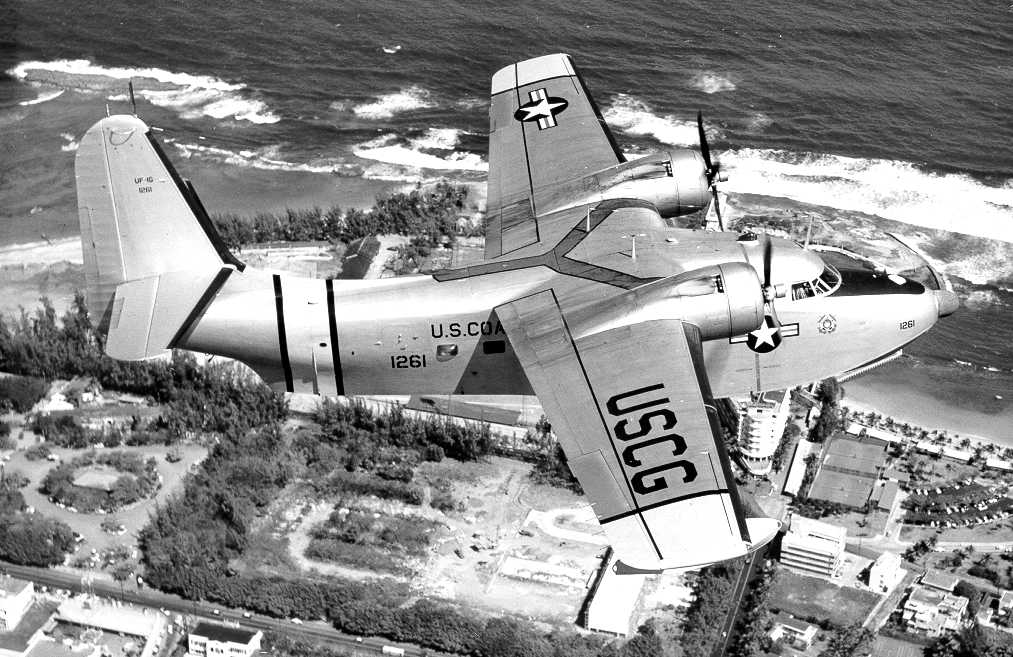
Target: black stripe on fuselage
(279,306)
(202,305)
(332,321)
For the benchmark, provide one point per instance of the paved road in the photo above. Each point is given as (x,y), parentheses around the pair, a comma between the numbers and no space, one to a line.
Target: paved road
(205,611)
(746,574)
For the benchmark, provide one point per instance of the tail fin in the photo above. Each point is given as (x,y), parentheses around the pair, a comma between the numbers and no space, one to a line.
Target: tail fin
(144,234)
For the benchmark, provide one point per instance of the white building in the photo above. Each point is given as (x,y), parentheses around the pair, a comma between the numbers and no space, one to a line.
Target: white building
(613,599)
(796,633)
(211,640)
(760,430)
(813,547)
(15,599)
(886,572)
(933,612)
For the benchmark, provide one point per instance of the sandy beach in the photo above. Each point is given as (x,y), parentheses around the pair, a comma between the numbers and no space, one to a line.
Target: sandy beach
(938,397)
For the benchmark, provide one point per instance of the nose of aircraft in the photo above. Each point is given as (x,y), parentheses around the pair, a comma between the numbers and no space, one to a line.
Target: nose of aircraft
(946,302)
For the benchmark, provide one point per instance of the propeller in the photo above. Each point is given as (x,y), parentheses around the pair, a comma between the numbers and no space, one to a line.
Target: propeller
(713,169)
(770,291)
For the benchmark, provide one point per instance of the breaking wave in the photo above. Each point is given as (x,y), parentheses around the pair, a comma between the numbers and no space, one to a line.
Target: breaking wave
(712,83)
(43,97)
(887,188)
(268,158)
(432,150)
(191,96)
(386,106)
(634,116)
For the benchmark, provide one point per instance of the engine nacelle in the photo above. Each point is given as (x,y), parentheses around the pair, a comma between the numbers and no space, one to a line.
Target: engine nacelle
(721,300)
(675,182)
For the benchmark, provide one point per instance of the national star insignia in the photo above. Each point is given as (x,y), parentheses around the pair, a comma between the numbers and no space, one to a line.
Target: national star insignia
(542,108)
(766,337)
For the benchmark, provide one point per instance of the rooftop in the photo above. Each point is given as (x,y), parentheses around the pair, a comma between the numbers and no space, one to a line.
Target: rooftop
(796,624)
(12,586)
(223,633)
(940,580)
(17,639)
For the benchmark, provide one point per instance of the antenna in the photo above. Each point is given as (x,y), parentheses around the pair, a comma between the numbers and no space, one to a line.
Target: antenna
(107,109)
(133,102)
(587,220)
(808,232)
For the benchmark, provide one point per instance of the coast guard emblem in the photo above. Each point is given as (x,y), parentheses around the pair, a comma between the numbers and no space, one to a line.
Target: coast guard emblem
(542,108)
(827,324)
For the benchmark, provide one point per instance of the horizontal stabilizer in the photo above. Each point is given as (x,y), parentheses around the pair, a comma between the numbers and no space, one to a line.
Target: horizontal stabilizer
(151,315)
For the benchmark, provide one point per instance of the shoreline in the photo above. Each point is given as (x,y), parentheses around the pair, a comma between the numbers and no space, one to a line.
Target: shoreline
(937,397)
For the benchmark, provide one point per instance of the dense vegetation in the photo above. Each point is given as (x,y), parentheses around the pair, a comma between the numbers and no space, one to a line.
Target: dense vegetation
(29,538)
(137,479)
(198,398)
(20,393)
(430,213)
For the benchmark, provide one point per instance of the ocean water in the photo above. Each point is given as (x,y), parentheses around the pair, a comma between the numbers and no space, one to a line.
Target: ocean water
(900,110)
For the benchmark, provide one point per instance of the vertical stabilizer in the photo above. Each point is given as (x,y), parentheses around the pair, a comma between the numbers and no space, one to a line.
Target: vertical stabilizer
(139,219)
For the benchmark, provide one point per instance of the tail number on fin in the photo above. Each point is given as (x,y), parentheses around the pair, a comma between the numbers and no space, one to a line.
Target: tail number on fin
(646,420)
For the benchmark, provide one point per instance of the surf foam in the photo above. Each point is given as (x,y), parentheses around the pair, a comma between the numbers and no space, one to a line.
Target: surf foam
(634,116)
(712,83)
(42,97)
(191,96)
(386,106)
(389,149)
(71,144)
(891,189)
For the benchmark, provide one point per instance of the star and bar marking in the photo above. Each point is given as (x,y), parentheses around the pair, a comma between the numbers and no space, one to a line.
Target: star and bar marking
(767,336)
(542,108)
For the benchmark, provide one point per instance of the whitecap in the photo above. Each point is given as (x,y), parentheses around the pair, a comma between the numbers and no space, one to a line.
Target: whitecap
(634,116)
(43,97)
(712,83)
(891,189)
(388,150)
(190,95)
(386,106)
(267,158)
(71,144)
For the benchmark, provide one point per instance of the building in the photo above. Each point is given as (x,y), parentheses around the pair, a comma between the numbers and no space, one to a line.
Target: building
(15,599)
(760,430)
(856,429)
(885,496)
(933,612)
(613,599)
(211,640)
(1004,613)
(940,581)
(793,632)
(998,464)
(885,572)
(813,547)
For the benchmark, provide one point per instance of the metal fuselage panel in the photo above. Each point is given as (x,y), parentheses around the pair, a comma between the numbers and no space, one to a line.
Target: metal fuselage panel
(422,335)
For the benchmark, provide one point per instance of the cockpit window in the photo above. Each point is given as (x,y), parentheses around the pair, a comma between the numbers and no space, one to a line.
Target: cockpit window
(828,281)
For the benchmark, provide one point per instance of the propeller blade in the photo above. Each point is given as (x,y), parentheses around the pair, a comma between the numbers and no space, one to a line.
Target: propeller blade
(717,208)
(704,148)
(768,249)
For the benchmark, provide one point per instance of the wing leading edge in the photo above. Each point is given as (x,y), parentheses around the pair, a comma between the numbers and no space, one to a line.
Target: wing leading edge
(632,408)
(544,128)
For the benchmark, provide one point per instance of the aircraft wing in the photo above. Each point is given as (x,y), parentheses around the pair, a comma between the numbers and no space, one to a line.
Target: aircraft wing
(632,408)
(544,128)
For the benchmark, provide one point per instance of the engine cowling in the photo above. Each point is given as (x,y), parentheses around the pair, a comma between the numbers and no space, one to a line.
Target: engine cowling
(721,300)
(675,182)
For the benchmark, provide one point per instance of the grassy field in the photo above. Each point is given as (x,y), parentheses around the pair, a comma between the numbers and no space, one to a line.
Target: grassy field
(805,596)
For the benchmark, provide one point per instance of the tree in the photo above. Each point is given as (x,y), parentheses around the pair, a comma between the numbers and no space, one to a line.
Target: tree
(851,641)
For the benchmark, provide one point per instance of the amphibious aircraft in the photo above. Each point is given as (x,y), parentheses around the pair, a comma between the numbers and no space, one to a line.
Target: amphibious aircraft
(624,326)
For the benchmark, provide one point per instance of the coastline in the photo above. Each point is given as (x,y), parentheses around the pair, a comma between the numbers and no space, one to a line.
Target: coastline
(959,400)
